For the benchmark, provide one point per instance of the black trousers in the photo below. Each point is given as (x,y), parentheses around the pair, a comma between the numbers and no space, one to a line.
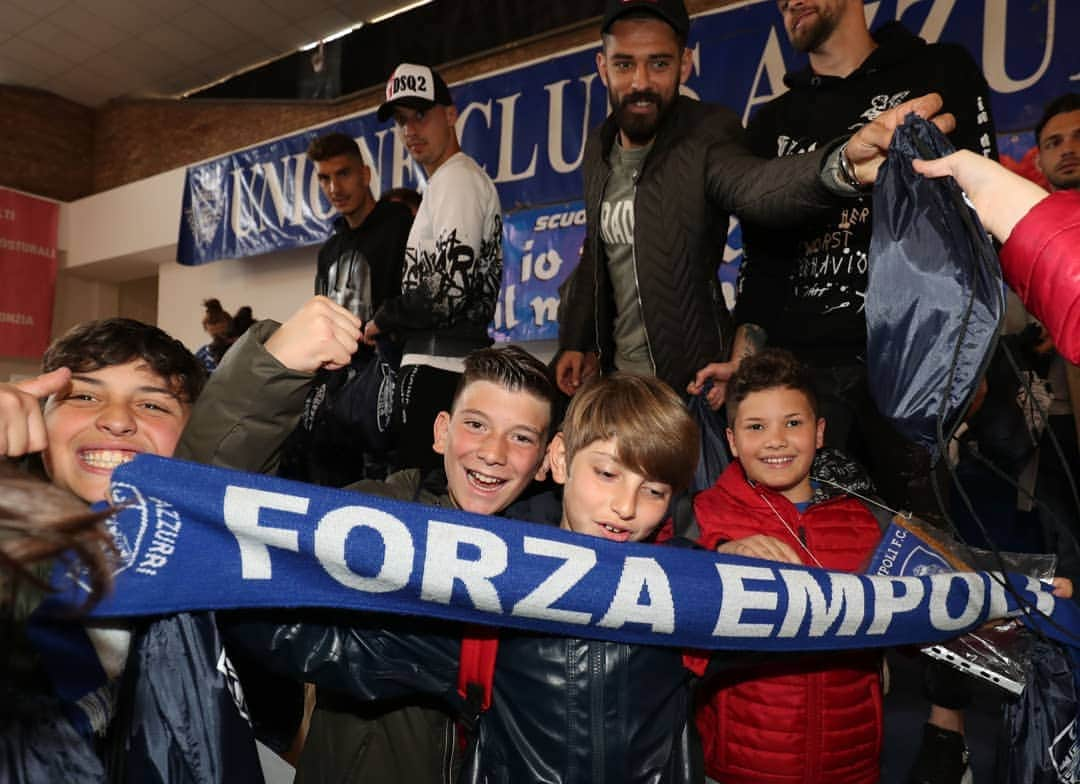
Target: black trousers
(422,392)
(899,468)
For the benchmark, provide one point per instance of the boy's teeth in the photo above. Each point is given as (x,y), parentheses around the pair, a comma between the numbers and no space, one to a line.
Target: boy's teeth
(106,458)
(484,480)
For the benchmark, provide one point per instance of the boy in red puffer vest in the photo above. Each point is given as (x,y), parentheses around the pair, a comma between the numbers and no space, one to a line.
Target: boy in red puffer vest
(807,719)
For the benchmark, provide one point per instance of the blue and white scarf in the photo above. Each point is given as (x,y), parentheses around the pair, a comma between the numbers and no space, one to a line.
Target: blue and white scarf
(197,538)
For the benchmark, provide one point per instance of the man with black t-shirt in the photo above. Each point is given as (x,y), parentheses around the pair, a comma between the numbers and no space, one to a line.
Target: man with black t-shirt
(804,289)
(360,265)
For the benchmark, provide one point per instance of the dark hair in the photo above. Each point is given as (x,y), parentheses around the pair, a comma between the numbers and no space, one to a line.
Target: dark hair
(332,145)
(1063,104)
(406,196)
(643,13)
(215,314)
(241,322)
(653,430)
(40,521)
(769,369)
(93,345)
(512,368)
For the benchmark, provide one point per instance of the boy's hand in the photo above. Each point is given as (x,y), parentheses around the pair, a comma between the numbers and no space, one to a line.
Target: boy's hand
(574,368)
(717,372)
(1063,587)
(371,330)
(322,334)
(22,424)
(761,546)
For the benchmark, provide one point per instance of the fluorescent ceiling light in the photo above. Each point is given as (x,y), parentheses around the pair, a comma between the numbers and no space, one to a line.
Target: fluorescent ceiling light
(347,30)
(400,10)
(334,36)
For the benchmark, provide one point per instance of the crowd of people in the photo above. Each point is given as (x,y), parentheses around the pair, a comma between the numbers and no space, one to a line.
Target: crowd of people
(386,382)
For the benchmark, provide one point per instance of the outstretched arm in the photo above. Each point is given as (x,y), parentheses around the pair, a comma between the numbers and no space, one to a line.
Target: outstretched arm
(866,149)
(1000,197)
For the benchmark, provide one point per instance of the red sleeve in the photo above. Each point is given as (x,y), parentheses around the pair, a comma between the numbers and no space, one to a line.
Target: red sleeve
(1041,262)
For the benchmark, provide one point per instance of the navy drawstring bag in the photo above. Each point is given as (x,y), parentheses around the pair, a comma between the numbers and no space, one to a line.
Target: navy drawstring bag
(935,300)
(1042,741)
(714,455)
(345,432)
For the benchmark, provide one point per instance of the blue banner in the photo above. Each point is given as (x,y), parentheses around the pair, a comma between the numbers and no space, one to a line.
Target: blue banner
(540,249)
(527,125)
(274,543)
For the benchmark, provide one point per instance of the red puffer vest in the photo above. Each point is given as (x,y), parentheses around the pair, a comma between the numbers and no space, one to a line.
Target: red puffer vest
(813,719)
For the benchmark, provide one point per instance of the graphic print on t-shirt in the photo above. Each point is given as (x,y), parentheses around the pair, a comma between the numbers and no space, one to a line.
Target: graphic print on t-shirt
(617,222)
(831,264)
(458,283)
(349,283)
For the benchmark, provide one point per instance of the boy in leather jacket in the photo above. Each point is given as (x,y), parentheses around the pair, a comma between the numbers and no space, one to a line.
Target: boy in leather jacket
(562,709)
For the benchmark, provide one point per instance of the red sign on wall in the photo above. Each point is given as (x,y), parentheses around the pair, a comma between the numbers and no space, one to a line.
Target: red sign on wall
(28,234)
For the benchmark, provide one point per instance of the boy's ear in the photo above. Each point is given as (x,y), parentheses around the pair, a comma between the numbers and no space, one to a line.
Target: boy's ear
(820,433)
(442,432)
(544,468)
(731,441)
(556,459)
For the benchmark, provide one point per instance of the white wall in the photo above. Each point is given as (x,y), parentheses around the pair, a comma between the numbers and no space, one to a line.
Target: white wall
(274,285)
(130,233)
(140,220)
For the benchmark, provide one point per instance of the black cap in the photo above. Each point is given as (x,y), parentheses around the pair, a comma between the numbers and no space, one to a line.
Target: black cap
(415,86)
(671,11)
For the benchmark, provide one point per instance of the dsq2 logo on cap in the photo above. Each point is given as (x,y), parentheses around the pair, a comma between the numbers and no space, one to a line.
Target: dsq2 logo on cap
(411,80)
(415,86)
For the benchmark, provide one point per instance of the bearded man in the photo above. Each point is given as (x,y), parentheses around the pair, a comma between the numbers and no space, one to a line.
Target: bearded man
(661,175)
(804,289)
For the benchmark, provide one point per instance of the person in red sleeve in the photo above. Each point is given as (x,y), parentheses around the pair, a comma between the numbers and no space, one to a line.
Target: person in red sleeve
(807,719)
(1041,232)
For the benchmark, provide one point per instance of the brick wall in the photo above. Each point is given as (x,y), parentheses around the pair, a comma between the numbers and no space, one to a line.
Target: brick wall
(136,139)
(46,144)
(53,147)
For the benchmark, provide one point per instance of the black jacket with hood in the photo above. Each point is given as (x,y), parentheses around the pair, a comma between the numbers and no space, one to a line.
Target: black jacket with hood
(806,286)
(366,261)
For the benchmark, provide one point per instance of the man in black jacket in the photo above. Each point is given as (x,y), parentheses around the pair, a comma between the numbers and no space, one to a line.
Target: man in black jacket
(661,175)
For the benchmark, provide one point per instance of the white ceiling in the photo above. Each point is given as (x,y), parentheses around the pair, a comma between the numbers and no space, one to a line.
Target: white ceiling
(92,50)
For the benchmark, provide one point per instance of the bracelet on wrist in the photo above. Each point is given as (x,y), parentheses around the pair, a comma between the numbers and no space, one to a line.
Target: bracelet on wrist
(847,170)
